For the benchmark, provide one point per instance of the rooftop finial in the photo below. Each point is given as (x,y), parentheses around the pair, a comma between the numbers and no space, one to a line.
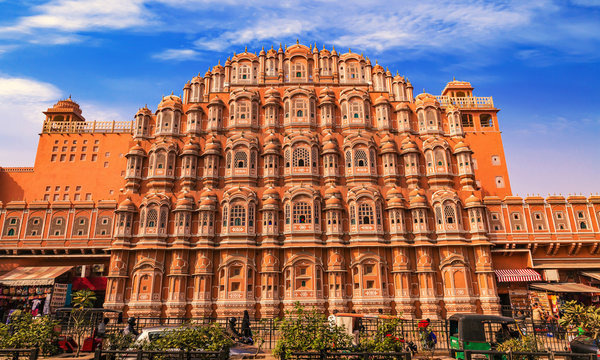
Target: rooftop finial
(297,41)
(350,50)
(263,47)
(453,78)
(69,96)
(246,49)
(171,92)
(219,62)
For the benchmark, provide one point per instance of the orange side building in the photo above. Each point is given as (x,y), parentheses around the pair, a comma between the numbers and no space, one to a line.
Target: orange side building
(296,174)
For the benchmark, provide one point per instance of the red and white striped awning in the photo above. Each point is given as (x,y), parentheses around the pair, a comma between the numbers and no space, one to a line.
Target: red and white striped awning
(517,275)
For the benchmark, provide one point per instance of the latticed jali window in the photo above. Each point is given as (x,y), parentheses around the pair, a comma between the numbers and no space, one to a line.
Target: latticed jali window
(151,218)
(302,213)
(301,157)
(238,216)
(360,158)
(241,159)
(365,214)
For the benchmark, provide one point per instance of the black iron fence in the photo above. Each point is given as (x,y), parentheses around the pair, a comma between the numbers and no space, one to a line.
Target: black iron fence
(16,354)
(524,355)
(348,356)
(160,355)
(552,336)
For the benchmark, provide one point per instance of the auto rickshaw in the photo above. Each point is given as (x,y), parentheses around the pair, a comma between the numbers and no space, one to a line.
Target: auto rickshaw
(479,332)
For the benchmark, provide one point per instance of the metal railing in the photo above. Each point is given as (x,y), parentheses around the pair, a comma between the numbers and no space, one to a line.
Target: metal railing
(474,102)
(160,355)
(16,354)
(537,355)
(82,127)
(311,355)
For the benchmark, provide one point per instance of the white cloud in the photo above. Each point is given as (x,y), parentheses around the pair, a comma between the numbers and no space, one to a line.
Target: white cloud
(177,54)
(23,101)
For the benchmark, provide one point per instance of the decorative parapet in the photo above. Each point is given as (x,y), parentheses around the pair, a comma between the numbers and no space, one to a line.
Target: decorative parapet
(16,169)
(79,127)
(471,102)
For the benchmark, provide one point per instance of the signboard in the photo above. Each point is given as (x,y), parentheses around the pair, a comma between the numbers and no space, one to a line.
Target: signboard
(59,296)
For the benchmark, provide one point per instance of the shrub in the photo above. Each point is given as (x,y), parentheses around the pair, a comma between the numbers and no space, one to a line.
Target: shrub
(526,343)
(308,330)
(196,338)
(26,332)
(387,338)
(118,341)
(587,318)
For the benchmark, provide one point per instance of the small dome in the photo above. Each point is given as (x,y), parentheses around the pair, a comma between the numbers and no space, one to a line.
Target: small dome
(207,193)
(393,192)
(426,99)
(326,91)
(472,200)
(333,202)
(461,147)
(127,205)
(137,149)
(409,145)
(191,147)
(332,191)
(144,111)
(207,202)
(270,202)
(402,107)
(212,146)
(271,191)
(330,146)
(381,100)
(184,202)
(195,107)
(172,101)
(216,101)
(272,92)
(397,201)
(378,68)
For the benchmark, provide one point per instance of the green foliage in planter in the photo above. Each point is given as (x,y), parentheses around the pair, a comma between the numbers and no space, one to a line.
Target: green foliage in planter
(26,332)
(195,338)
(587,318)
(118,341)
(308,330)
(526,343)
(387,338)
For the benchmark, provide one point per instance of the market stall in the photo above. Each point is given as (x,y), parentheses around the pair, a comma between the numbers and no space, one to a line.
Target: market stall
(40,289)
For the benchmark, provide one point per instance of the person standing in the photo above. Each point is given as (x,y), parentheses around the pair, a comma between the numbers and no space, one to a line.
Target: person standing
(246,331)
(130,328)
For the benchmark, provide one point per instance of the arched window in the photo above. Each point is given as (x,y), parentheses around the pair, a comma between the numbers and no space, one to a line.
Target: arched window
(365,214)
(287,213)
(357,109)
(243,110)
(244,72)
(352,215)
(11,232)
(431,120)
(299,108)
(360,158)
(301,157)
(438,215)
(298,70)
(225,216)
(228,160)
(449,214)
(348,159)
(241,159)
(151,218)
(287,158)
(485,120)
(238,216)
(302,213)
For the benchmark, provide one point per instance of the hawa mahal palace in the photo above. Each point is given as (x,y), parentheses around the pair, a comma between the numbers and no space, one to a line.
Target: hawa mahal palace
(294,175)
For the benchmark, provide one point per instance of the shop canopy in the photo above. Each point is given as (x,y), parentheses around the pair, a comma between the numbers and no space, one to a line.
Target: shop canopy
(566,288)
(517,275)
(96,283)
(592,274)
(33,275)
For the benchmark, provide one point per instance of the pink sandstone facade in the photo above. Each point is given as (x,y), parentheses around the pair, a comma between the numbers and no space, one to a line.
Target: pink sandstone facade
(293,175)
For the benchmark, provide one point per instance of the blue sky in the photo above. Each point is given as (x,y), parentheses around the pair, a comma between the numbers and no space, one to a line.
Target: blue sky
(540,60)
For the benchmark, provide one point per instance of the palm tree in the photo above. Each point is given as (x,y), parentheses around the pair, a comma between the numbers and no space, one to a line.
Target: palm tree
(81,300)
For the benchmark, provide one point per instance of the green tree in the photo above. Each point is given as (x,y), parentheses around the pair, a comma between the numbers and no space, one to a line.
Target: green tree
(578,316)
(82,300)
(387,338)
(26,332)
(308,330)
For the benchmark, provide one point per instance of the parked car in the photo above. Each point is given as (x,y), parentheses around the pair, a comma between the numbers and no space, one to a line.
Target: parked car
(584,344)
(152,333)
